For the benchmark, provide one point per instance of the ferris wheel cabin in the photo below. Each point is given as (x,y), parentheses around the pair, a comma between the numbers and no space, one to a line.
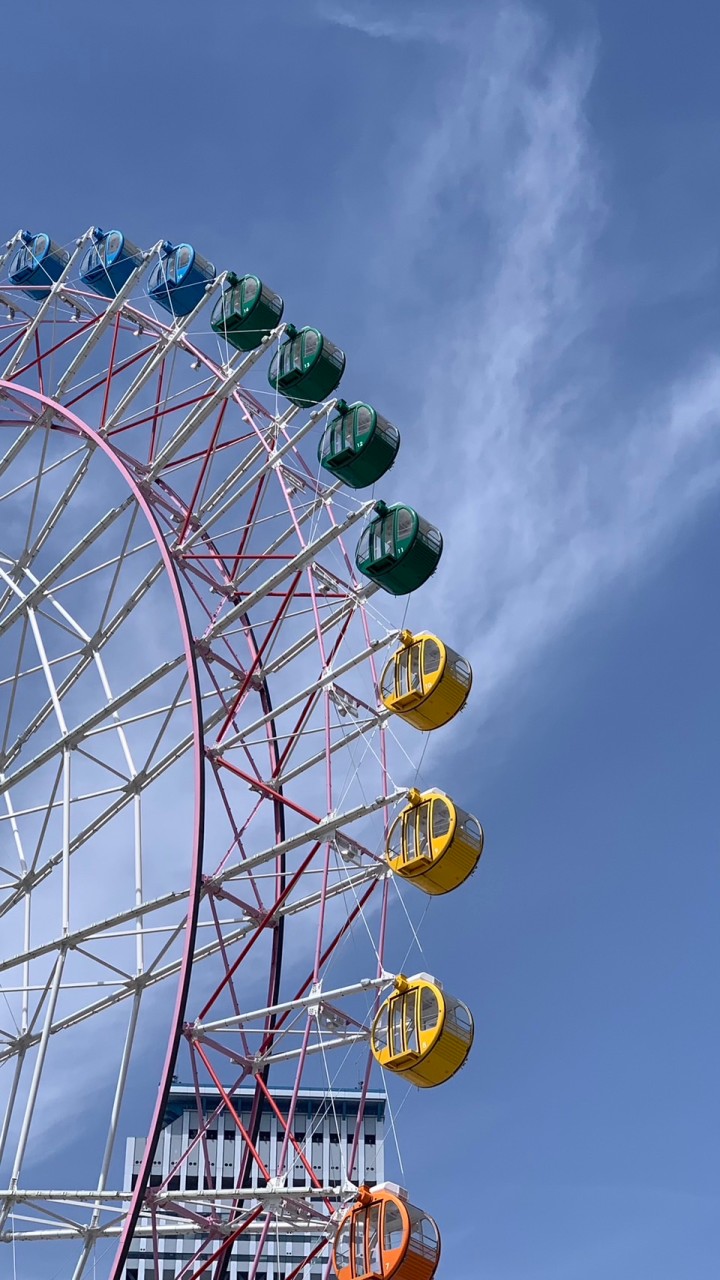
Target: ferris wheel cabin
(180,278)
(383,1237)
(358,446)
(247,312)
(398,549)
(306,367)
(37,264)
(420,1033)
(425,682)
(109,262)
(433,843)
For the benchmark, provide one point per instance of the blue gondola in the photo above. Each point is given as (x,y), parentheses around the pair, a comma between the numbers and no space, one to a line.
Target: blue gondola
(178,281)
(37,264)
(109,261)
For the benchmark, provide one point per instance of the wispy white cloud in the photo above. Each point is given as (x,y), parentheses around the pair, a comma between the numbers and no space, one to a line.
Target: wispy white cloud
(380,24)
(549,482)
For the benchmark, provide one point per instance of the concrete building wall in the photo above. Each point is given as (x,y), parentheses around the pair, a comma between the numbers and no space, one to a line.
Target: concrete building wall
(324,1128)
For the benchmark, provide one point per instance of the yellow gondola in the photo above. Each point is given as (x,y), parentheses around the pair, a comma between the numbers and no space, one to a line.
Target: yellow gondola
(383,1236)
(420,1033)
(433,843)
(425,682)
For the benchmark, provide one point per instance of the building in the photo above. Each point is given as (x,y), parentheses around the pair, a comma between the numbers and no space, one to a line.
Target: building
(325,1127)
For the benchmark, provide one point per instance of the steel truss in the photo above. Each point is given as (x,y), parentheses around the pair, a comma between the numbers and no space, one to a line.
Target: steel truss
(194,773)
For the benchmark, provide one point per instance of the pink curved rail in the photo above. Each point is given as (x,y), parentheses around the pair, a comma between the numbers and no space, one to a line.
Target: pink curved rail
(42,402)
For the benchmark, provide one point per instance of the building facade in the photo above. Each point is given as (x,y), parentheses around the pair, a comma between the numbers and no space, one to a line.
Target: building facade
(325,1128)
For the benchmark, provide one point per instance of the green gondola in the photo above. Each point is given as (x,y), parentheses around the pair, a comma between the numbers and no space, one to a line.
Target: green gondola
(398,549)
(358,445)
(306,367)
(246,312)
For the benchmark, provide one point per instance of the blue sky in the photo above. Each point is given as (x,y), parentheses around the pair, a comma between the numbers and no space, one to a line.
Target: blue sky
(507,215)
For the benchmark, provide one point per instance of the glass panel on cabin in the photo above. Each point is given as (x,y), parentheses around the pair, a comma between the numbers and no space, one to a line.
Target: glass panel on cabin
(337,436)
(429,534)
(462,670)
(440,819)
(410,1019)
(380,1034)
(396,1038)
(430,1235)
(423,1234)
(182,258)
(347,429)
(373,1227)
(429,1009)
(393,1229)
(359,1242)
(311,342)
(387,687)
(415,676)
(363,420)
(409,842)
(40,245)
(422,830)
(328,443)
(251,288)
(403,673)
(387,430)
(342,1246)
(385,537)
(470,828)
(112,246)
(363,550)
(459,1021)
(395,838)
(431,657)
(404,523)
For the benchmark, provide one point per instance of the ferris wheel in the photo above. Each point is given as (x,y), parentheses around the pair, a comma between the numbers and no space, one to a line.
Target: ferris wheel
(208,812)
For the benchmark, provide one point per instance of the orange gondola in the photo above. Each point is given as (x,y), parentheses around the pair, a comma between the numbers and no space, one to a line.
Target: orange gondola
(383,1236)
